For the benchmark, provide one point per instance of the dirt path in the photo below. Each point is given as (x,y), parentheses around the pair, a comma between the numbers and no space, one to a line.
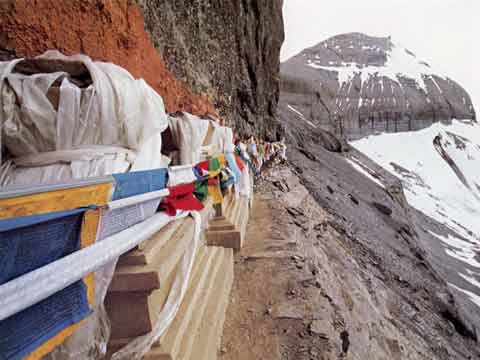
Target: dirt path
(269,316)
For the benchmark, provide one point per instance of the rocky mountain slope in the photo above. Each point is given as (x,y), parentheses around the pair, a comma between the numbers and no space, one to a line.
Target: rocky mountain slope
(408,201)
(438,169)
(112,31)
(353,85)
(343,274)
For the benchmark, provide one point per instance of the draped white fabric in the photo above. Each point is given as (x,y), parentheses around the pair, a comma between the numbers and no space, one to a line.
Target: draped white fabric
(188,132)
(116,111)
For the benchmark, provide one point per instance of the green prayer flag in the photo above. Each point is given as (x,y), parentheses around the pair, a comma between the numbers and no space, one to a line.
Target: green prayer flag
(213,164)
(201,190)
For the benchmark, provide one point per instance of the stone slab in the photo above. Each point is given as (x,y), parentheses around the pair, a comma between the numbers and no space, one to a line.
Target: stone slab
(135,313)
(146,251)
(151,276)
(219,234)
(199,294)
(208,336)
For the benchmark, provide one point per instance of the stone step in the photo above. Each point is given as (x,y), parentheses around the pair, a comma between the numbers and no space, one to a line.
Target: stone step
(135,313)
(192,308)
(195,323)
(178,341)
(222,222)
(146,252)
(208,336)
(150,277)
(230,214)
(220,225)
(231,238)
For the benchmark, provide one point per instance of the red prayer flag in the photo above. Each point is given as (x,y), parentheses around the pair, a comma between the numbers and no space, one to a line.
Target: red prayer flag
(239,162)
(203,165)
(181,198)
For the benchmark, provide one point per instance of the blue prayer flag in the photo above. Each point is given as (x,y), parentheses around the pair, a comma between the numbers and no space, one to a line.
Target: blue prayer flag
(139,182)
(28,243)
(232,164)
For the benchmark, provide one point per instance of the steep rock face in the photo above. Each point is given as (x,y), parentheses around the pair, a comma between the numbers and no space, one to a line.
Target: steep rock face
(227,52)
(343,274)
(229,49)
(110,31)
(354,85)
(440,177)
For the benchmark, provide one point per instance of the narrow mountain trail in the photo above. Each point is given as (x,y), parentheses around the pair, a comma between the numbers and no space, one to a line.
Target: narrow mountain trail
(305,287)
(271,309)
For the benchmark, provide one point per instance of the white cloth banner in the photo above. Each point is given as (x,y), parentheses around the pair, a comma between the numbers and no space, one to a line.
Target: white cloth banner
(182,174)
(113,221)
(117,110)
(188,132)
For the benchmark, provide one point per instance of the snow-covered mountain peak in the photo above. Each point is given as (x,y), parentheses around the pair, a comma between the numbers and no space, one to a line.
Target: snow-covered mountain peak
(369,57)
(359,85)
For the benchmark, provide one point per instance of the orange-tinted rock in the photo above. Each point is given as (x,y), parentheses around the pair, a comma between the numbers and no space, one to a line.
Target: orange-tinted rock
(110,31)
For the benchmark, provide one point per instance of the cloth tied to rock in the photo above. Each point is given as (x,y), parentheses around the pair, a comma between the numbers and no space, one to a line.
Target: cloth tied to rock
(227,179)
(201,189)
(181,175)
(214,169)
(232,163)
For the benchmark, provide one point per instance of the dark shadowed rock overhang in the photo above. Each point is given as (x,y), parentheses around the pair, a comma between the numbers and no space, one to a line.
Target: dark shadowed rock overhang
(229,49)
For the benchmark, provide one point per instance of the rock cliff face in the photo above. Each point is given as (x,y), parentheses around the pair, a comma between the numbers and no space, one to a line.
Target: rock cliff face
(229,49)
(354,85)
(196,54)
(110,31)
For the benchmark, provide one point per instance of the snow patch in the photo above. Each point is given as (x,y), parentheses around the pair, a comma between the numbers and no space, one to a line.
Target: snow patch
(400,64)
(431,185)
(470,278)
(473,297)
(459,249)
(290,107)
(434,188)
(361,169)
(436,84)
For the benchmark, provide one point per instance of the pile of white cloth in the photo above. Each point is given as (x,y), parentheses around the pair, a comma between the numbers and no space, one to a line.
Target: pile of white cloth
(194,137)
(113,125)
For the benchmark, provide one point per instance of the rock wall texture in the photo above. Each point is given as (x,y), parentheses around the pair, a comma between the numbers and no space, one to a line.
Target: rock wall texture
(225,54)
(355,85)
(228,48)
(111,31)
